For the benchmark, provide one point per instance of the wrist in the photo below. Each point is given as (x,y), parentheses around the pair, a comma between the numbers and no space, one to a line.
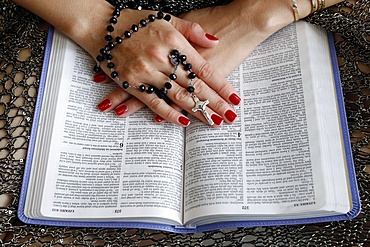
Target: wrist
(269,16)
(89,28)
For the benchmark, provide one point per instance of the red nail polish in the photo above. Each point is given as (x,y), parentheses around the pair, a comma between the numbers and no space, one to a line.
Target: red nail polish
(217,119)
(120,110)
(211,37)
(234,99)
(99,77)
(158,119)
(105,104)
(184,120)
(230,115)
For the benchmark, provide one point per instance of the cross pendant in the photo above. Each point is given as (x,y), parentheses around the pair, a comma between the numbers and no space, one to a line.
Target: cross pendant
(201,106)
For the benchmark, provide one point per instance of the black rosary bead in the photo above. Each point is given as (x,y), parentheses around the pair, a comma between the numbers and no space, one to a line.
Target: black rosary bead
(127,34)
(109,46)
(190,89)
(116,13)
(150,89)
(142,88)
(100,58)
(135,28)
(97,69)
(175,53)
(120,6)
(160,15)
(110,65)
(182,58)
(108,37)
(187,66)
(167,17)
(110,28)
(125,84)
(103,51)
(173,76)
(192,75)
(114,74)
(168,85)
(113,20)
(108,56)
(143,23)
(151,18)
(119,40)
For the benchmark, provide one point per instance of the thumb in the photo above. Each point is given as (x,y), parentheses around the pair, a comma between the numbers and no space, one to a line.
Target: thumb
(194,33)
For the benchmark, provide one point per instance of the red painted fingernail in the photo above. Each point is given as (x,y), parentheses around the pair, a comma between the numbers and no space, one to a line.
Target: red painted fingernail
(120,110)
(230,115)
(234,99)
(184,120)
(217,119)
(211,37)
(99,77)
(158,119)
(105,104)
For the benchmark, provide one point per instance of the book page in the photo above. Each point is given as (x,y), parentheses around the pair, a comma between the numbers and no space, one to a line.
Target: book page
(104,166)
(262,164)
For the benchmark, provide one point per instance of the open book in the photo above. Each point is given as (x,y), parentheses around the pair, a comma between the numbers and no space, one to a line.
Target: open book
(286,160)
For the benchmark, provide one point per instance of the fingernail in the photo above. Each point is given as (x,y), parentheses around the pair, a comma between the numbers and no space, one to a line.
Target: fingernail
(99,77)
(184,120)
(230,115)
(120,110)
(211,37)
(158,119)
(105,104)
(217,119)
(234,99)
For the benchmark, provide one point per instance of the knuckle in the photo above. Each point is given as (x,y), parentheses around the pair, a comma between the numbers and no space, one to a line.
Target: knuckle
(169,115)
(195,26)
(174,40)
(180,95)
(224,88)
(155,104)
(205,70)
(220,104)
(199,86)
(156,53)
(119,94)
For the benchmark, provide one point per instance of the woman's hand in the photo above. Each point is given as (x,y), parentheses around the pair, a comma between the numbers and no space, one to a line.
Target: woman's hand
(144,57)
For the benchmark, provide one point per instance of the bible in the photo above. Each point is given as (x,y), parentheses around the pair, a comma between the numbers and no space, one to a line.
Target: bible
(286,160)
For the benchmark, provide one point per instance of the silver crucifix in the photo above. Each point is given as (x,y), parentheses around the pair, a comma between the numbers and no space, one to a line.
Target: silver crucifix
(201,106)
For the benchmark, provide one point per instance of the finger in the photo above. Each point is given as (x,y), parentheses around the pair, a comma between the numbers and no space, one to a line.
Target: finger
(160,107)
(129,107)
(159,119)
(101,77)
(194,32)
(113,99)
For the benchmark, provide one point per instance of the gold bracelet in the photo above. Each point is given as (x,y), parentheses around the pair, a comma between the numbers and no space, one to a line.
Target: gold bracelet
(314,6)
(321,5)
(295,10)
